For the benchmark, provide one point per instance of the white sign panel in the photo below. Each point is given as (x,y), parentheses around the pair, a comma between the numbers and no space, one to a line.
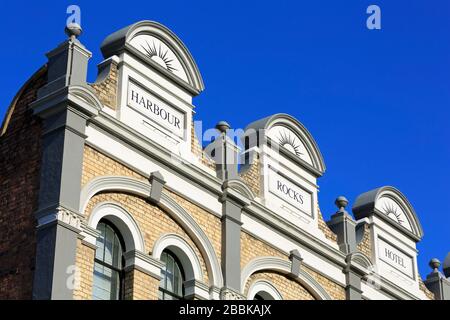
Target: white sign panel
(395,258)
(290,192)
(155,109)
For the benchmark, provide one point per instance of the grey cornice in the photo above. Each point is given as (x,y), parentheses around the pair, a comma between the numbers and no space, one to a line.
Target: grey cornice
(395,291)
(152,150)
(296,234)
(82,98)
(364,206)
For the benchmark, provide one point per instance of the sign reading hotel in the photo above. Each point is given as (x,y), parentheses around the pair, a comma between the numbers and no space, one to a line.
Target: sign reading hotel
(290,192)
(395,258)
(151,107)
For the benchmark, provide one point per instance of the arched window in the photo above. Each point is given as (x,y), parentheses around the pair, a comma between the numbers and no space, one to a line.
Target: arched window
(108,266)
(172,278)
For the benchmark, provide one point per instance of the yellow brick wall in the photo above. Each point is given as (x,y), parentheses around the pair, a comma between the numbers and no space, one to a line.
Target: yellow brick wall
(97,164)
(330,235)
(140,286)
(365,246)
(84,261)
(106,89)
(289,289)
(252,176)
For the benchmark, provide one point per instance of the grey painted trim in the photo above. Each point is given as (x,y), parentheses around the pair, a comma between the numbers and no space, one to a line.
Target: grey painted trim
(343,225)
(231,241)
(194,289)
(241,188)
(118,42)
(55,255)
(136,259)
(292,232)
(142,189)
(270,290)
(122,219)
(157,182)
(353,287)
(364,206)
(64,113)
(327,276)
(446,266)
(184,252)
(283,266)
(296,262)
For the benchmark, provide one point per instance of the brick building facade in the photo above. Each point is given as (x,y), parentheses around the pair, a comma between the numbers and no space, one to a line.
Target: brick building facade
(107,193)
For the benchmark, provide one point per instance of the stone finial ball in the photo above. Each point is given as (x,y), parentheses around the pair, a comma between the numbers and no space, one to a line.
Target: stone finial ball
(341,202)
(222,126)
(435,263)
(73,29)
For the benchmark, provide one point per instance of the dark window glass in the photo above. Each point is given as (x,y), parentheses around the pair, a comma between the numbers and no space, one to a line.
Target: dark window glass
(172,278)
(108,265)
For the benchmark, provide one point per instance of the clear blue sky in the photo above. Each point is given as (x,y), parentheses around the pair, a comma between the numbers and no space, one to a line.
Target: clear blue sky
(377,102)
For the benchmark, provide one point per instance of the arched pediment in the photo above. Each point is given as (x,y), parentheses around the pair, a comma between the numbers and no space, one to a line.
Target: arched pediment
(159,47)
(291,137)
(390,204)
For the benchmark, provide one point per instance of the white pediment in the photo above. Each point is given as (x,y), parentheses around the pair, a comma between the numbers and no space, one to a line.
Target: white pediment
(159,52)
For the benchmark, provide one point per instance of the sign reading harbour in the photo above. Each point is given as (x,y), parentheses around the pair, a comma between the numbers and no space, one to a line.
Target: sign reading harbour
(155,109)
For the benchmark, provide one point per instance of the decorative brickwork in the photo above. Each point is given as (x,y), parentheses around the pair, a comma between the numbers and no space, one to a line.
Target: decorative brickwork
(106,88)
(251,176)
(330,235)
(365,246)
(20,156)
(288,288)
(85,264)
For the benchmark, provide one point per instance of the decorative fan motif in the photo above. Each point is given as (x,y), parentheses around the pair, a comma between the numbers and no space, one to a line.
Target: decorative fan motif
(290,142)
(391,210)
(159,55)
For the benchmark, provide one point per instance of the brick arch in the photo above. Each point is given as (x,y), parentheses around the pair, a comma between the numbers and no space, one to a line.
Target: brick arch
(282,267)
(288,288)
(152,221)
(167,208)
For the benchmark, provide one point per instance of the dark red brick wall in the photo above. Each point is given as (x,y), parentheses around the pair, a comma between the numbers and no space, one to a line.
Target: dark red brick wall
(20,154)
